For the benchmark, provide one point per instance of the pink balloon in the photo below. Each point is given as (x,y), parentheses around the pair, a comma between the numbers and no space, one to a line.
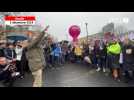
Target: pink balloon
(74,31)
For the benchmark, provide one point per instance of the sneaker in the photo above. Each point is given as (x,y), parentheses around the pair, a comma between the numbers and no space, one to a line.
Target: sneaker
(104,70)
(21,77)
(17,74)
(98,69)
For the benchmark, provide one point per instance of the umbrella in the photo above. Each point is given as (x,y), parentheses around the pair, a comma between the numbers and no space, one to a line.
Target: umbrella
(17,37)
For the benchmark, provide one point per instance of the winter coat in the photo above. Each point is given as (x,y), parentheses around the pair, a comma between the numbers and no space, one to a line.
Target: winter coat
(10,53)
(35,54)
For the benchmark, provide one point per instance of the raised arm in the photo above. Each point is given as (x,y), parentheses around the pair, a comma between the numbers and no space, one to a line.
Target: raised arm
(35,42)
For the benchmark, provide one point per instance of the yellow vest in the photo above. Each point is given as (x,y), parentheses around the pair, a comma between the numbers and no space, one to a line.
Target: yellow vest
(78,51)
(114,48)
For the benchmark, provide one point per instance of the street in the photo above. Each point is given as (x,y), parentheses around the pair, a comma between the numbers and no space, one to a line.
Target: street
(72,75)
(105,39)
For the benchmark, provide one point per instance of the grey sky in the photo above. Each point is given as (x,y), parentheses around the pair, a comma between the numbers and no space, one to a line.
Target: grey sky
(60,21)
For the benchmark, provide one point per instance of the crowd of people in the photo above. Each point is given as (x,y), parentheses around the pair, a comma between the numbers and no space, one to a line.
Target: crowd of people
(56,54)
(114,56)
(20,56)
(13,62)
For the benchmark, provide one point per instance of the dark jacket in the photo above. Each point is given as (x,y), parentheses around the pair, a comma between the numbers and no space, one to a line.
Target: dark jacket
(128,58)
(47,50)
(10,53)
(103,51)
(96,51)
(86,51)
(23,57)
(2,54)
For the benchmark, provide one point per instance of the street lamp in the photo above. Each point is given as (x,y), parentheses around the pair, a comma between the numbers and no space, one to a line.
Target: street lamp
(87,30)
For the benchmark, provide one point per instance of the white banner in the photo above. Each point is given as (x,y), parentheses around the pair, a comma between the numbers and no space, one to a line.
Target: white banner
(19,23)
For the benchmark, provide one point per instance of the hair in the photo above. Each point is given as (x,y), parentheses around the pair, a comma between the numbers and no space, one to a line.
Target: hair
(8,44)
(2,43)
(19,45)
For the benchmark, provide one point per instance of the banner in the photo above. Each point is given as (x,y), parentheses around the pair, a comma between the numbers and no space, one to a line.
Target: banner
(19,20)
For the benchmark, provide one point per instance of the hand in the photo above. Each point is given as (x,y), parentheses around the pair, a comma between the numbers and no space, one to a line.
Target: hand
(9,61)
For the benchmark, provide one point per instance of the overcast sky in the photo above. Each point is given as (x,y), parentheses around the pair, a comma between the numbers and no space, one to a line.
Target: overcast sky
(61,21)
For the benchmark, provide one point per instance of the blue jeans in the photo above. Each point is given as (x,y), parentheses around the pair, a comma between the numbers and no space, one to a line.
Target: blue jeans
(57,60)
(102,62)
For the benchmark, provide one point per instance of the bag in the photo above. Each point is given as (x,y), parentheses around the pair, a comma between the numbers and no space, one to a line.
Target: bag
(3,61)
(87,59)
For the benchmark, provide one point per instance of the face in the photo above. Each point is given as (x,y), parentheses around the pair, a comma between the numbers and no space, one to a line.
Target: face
(3,45)
(113,42)
(18,43)
(126,41)
(11,46)
(18,46)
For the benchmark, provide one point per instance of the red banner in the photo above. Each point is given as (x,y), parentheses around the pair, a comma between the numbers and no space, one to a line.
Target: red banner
(18,18)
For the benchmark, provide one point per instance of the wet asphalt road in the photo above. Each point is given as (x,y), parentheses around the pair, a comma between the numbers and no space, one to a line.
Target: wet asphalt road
(72,75)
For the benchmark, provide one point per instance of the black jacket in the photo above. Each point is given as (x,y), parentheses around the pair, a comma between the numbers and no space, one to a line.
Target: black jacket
(103,51)
(2,54)
(86,51)
(129,58)
(9,52)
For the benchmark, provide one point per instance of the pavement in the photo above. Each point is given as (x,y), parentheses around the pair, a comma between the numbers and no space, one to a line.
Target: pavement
(72,75)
